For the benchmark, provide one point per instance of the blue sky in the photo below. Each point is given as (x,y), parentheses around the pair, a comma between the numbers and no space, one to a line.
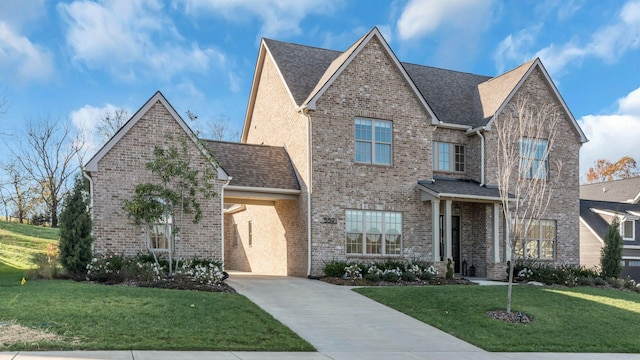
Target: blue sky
(77,59)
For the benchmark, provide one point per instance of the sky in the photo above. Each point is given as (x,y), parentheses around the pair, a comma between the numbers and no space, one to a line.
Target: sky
(78,59)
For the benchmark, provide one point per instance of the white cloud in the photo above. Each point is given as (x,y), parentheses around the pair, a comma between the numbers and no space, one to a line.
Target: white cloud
(279,17)
(612,136)
(21,59)
(608,43)
(86,120)
(422,17)
(131,37)
(511,49)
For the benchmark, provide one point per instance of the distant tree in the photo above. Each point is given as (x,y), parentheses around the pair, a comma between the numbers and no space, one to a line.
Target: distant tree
(49,154)
(22,192)
(110,123)
(215,129)
(75,229)
(605,170)
(611,255)
(525,140)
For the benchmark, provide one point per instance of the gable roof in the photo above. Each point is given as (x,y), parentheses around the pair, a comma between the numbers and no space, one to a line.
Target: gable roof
(591,212)
(622,191)
(451,97)
(255,166)
(92,164)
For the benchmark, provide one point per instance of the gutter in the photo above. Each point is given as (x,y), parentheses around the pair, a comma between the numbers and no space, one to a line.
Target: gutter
(304,110)
(86,176)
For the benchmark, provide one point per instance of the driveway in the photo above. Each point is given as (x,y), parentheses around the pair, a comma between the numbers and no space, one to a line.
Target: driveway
(336,319)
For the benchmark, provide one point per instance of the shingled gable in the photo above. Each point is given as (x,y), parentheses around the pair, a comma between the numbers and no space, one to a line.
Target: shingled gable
(501,86)
(92,164)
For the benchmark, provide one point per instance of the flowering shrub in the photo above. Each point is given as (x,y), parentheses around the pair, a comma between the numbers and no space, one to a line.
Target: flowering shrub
(111,268)
(352,272)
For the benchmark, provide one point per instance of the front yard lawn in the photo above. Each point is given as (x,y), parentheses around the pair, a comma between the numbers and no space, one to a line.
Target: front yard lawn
(582,319)
(99,317)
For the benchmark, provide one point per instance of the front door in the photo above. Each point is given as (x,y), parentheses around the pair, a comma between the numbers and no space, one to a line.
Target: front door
(455,246)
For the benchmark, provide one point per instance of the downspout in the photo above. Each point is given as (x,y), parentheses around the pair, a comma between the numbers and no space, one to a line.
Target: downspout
(86,176)
(222,216)
(309,194)
(478,132)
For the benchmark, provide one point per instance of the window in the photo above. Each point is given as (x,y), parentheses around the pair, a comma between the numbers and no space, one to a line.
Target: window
(160,235)
(539,241)
(448,157)
(373,141)
(628,230)
(373,232)
(533,158)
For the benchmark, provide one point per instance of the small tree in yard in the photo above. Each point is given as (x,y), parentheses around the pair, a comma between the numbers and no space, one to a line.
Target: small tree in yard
(525,140)
(611,256)
(75,230)
(175,195)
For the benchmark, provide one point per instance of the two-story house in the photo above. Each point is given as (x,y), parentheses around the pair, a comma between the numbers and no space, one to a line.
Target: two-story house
(600,203)
(354,155)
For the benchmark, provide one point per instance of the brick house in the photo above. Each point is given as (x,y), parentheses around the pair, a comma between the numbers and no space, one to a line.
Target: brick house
(353,156)
(600,203)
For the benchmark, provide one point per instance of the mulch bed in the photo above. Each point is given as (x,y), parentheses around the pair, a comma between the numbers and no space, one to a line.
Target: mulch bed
(363,282)
(178,283)
(514,317)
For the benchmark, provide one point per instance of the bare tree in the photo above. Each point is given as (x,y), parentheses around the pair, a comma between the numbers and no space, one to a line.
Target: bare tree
(219,129)
(21,191)
(110,123)
(525,140)
(48,154)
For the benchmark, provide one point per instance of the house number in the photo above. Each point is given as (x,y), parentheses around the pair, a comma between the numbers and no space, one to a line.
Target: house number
(329,220)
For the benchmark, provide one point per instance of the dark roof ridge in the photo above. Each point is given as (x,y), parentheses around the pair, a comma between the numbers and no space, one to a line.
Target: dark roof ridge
(439,68)
(307,46)
(240,143)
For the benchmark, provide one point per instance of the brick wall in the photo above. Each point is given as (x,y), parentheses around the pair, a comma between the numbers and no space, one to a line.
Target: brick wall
(123,167)
(371,86)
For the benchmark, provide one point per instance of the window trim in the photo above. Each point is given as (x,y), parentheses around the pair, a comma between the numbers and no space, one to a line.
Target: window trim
(524,240)
(528,171)
(362,236)
(633,229)
(373,142)
(453,155)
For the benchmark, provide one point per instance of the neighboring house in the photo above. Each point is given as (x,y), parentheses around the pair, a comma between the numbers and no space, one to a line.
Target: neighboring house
(355,156)
(600,203)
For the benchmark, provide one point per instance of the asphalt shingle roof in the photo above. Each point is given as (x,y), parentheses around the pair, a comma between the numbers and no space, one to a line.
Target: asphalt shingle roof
(460,187)
(624,190)
(253,165)
(455,97)
(595,221)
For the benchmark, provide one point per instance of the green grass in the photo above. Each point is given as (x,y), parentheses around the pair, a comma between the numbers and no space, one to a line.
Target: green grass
(19,242)
(100,317)
(564,320)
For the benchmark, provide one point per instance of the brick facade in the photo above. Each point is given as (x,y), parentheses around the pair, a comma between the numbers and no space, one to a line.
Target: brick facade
(123,167)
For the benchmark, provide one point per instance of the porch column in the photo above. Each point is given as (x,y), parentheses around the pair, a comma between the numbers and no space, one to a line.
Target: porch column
(435,228)
(447,230)
(496,233)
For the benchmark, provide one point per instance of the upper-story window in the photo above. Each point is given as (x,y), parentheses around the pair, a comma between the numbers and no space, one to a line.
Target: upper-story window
(533,158)
(373,141)
(628,229)
(448,157)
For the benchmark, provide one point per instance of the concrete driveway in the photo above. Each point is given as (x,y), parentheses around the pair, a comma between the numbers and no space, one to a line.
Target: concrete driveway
(336,319)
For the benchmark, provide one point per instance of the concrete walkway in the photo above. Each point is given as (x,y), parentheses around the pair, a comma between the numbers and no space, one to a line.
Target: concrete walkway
(341,324)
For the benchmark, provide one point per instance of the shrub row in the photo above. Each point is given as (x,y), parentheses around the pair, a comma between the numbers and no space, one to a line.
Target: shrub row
(111,268)
(567,275)
(390,270)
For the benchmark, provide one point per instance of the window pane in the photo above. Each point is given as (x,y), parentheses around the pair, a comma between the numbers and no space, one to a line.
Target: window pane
(547,249)
(383,131)
(373,220)
(374,244)
(363,152)
(518,248)
(354,243)
(383,154)
(459,157)
(627,229)
(443,157)
(354,221)
(532,249)
(392,244)
(363,129)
